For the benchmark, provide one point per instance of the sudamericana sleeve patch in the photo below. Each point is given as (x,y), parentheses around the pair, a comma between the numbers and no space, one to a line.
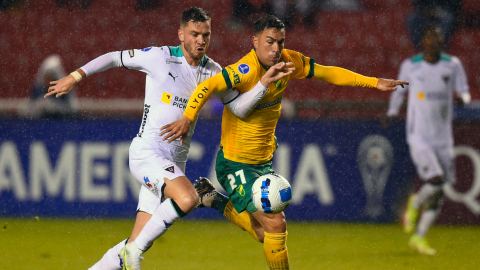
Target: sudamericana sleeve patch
(131,53)
(243,69)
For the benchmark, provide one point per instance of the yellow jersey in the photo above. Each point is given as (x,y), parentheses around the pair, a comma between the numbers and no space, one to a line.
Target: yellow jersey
(251,140)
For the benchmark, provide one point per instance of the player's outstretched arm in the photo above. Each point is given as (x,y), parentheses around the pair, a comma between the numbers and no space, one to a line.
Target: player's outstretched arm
(345,77)
(66,84)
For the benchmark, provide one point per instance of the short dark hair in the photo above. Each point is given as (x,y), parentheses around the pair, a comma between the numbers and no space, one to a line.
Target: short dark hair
(267,22)
(194,14)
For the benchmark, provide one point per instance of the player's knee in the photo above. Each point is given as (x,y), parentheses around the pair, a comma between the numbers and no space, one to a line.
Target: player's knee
(277,224)
(187,202)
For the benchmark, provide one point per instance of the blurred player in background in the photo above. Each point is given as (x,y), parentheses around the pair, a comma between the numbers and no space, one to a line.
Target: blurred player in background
(247,144)
(173,73)
(433,77)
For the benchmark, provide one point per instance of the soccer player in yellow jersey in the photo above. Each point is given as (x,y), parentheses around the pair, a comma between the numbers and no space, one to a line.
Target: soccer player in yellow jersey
(248,143)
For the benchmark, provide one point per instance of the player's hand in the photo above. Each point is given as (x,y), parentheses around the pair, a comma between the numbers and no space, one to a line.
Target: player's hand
(387,120)
(176,129)
(276,72)
(61,87)
(390,85)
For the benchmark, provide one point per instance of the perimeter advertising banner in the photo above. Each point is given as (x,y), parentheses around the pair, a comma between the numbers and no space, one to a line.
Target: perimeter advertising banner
(339,171)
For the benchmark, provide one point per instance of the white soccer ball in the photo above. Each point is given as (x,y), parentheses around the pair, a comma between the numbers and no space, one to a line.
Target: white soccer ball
(271,193)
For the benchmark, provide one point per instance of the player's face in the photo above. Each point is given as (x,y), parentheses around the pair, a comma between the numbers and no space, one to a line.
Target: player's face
(195,38)
(269,45)
(432,41)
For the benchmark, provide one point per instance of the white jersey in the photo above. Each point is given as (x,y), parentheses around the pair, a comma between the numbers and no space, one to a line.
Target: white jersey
(430,98)
(169,84)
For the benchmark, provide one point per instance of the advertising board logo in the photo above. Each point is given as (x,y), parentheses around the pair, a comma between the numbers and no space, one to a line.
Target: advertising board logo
(375,160)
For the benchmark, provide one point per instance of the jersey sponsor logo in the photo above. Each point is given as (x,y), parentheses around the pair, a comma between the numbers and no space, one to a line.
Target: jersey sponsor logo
(199,96)
(268,104)
(170,168)
(131,53)
(146,49)
(236,78)
(168,61)
(146,110)
(166,97)
(180,102)
(173,77)
(244,69)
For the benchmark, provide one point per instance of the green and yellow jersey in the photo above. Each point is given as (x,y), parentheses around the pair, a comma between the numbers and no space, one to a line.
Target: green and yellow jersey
(251,140)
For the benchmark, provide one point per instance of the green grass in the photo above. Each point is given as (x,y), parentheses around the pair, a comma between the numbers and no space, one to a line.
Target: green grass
(78,244)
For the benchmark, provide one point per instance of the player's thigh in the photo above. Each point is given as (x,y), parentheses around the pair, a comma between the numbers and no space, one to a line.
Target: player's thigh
(237,180)
(447,162)
(151,169)
(426,161)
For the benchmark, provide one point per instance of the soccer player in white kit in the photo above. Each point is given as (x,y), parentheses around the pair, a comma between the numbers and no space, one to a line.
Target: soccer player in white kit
(173,73)
(433,77)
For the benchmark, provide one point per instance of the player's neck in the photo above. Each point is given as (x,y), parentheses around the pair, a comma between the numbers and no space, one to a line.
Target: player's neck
(431,57)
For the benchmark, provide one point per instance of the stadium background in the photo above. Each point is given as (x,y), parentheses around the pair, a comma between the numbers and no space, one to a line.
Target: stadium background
(82,182)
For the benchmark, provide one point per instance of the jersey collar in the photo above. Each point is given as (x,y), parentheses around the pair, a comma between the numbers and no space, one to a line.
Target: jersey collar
(265,67)
(177,52)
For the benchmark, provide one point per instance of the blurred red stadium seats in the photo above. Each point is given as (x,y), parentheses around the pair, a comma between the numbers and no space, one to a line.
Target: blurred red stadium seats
(372,42)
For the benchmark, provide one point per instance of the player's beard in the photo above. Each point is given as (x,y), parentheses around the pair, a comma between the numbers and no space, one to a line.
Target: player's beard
(191,52)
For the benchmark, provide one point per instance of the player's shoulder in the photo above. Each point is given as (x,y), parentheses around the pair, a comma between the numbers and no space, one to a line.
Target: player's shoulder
(210,64)
(151,52)
(450,59)
(248,64)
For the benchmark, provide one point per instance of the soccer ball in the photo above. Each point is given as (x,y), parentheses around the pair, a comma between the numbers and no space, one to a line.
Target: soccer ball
(271,193)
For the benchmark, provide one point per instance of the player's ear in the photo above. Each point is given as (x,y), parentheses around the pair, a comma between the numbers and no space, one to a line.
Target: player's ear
(180,35)
(255,41)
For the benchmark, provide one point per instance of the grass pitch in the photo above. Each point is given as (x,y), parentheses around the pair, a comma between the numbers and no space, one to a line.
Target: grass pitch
(78,244)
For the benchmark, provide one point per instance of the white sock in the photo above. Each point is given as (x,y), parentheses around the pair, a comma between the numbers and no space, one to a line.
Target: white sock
(163,217)
(426,220)
(425,192)
(110,261)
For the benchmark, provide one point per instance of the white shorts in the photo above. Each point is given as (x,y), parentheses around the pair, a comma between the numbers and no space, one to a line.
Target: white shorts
(433,161)
(150,167)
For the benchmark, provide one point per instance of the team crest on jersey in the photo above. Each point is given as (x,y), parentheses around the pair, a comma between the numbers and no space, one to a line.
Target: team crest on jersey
(147,182)
(131,53)
(170,168)
(244,69)
(146,49)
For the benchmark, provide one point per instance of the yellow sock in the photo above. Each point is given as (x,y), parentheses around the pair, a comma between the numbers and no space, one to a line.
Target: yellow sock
(275,249)
(242,220)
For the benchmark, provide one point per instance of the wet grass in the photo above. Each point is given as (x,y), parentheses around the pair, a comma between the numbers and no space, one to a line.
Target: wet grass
(78,244)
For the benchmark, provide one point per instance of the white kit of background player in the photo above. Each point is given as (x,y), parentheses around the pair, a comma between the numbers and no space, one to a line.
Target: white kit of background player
(429,131)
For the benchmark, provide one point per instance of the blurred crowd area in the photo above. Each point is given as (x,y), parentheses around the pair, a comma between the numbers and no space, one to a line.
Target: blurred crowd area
(366,36)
